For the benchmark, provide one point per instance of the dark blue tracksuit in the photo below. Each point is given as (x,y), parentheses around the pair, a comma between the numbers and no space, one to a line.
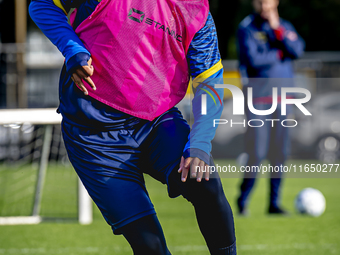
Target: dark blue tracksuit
(266,53)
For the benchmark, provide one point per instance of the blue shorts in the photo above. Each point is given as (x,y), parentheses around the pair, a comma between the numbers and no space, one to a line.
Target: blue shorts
(111,162)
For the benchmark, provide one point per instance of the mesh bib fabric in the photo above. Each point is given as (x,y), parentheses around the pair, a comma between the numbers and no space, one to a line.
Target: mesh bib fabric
(138,49)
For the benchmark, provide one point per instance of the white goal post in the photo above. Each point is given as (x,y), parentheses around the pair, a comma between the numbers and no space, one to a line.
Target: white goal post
(46,117)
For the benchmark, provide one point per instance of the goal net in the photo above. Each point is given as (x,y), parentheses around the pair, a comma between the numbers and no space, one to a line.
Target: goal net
(37,182)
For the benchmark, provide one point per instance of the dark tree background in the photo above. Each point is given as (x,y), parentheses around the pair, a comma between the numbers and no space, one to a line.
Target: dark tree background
(317,21)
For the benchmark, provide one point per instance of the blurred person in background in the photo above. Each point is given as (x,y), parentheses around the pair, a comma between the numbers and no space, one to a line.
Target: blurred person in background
(267,45)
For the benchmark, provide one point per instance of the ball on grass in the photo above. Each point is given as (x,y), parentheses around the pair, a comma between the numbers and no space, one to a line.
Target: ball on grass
(310,201)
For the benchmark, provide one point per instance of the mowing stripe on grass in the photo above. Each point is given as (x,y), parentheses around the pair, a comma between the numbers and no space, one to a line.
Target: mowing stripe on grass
(65,250)
(293,246)
(333,248)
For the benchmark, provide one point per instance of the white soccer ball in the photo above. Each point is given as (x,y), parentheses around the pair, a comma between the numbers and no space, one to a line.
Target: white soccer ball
(310,201)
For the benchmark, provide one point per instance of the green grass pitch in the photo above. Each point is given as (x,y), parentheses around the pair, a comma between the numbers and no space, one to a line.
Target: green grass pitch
(256,234)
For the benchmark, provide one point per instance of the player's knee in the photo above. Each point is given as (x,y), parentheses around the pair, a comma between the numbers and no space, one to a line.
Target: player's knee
(206,192)
(212,189)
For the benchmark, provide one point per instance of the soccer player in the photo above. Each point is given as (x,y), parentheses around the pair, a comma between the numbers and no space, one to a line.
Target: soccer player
(127,64)
(267,46)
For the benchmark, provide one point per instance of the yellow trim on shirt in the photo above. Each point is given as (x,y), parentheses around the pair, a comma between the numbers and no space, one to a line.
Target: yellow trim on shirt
(206,74)
(58,4)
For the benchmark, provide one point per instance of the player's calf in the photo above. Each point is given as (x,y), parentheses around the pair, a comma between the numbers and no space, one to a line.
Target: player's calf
(213,212)
(145,236)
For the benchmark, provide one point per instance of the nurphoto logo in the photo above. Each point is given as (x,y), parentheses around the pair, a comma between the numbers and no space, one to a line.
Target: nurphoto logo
(239,105)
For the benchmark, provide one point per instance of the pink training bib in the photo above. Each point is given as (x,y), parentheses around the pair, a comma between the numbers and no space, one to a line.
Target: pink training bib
(139,49)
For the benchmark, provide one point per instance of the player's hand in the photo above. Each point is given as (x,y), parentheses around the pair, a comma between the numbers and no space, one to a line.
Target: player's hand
(273,19)
(83,73)
(196,167)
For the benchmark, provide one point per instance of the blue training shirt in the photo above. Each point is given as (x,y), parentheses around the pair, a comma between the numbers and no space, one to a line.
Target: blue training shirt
(203,57)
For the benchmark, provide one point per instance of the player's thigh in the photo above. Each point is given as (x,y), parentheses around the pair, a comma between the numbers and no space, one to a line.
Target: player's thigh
(105,152)
(164,149)
(164,146)
(197,192)
(107,164)
(121,201)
